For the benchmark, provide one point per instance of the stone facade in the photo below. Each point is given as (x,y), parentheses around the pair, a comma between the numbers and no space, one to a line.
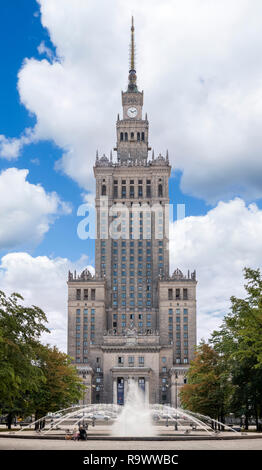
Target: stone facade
(132,319)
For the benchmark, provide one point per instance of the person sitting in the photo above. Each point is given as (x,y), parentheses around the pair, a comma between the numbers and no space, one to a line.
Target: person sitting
(82,436)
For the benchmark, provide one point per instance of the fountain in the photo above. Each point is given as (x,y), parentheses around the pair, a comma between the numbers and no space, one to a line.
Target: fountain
(136,416)
(136,420)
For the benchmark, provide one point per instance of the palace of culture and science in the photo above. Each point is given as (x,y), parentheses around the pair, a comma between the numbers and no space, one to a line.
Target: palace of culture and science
(132,319)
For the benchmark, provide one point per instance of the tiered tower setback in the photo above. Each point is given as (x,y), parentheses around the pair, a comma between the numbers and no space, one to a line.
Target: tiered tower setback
(132,319)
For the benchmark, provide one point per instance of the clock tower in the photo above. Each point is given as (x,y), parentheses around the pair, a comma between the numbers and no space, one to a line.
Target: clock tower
(132,129)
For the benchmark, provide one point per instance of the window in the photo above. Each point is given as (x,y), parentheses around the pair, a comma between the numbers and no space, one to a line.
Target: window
(120,360)
(121,136)
(170,294)
(85,294)
(126,136)
(177,294)
(143,136)
(138,136)
(78,294)
(131,360)
(141,361)
(140,191)
(103,192)
(185,294)
(148,188)
(160,190)
(93,294)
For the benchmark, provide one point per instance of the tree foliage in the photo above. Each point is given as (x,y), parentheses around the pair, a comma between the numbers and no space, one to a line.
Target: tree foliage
(20,329)
(34,378)
(62,386)
(229,369)
(207,388)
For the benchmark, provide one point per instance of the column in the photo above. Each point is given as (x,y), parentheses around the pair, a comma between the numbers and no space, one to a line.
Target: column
(146,390)
(114,390)
(125,388)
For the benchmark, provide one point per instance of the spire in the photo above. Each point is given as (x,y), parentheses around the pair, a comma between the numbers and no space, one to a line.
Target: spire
(132,46)
(132,71)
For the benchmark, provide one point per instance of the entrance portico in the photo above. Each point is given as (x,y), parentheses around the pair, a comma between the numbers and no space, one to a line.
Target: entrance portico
(121,376)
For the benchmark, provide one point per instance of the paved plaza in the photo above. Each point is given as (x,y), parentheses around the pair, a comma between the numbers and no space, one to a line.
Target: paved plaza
(28,444)
(99,439)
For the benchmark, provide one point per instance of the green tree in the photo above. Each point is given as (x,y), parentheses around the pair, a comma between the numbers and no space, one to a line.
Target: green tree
(239,342)
(208,388)
(62,386)
(20,330)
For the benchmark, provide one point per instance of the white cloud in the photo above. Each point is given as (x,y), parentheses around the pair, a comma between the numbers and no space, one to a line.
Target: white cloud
(218,245)
(26,209)
(42,282)
(43,49)
(10,148)
(198,63)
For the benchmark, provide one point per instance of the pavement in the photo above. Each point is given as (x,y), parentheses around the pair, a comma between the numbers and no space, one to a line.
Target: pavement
(100,438)
(52,444)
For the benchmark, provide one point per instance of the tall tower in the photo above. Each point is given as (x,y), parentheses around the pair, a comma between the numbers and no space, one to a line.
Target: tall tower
(136,190)
(133,319)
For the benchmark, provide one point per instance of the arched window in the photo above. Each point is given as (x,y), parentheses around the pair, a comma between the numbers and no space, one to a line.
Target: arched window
(103,190)
(121,136)
(132,135)
(138,136)
(143,136)
(160,190)
(126,136)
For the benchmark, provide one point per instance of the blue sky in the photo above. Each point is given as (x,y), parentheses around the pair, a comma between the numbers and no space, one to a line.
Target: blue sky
(64,65)
(22,32)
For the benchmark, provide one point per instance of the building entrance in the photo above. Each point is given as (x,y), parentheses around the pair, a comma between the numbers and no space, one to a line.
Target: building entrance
(120,391)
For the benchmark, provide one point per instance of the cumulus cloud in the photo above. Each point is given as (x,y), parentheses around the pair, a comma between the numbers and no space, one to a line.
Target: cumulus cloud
(42,282)
(219,245)
(10,148)
(26,209)
(43,49)
(198,64)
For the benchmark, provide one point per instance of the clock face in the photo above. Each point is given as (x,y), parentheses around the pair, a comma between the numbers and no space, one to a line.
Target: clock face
(132,112)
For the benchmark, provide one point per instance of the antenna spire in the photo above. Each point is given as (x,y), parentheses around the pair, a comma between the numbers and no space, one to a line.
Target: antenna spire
(132,71)
(132,46)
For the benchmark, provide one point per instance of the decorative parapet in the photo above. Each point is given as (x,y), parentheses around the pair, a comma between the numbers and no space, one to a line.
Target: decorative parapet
(160,160)
(128,161)
(84,370)
(132,332)
(178,276)
(84,276)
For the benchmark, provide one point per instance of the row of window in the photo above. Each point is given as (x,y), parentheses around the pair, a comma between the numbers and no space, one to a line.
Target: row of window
(132,243)
(85,311)
(123,192)
(131,360)
(125,136)
(85,294)
(176,294)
